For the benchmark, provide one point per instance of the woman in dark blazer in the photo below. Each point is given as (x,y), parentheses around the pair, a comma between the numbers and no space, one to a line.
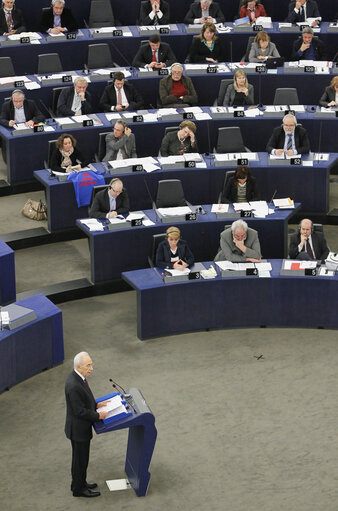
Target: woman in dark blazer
(242,187)
(240,92)
(253,9)
(174,253)
(330,95)
(207,47)
(66,155)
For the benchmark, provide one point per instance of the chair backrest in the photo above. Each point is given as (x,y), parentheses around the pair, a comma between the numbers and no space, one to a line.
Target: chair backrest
(101,150)
(49,63)
(99,56)
(248,48)
(95,190)
(157,238)
(228,175)
(286,96)
(170,193)
(55,98)
(170,129)
(51,147)
(101,14)
(230,140)
(222,90)
(6,67)
(318,228)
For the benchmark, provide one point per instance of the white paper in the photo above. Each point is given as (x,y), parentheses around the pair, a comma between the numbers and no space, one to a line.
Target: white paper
(303,265)
(31,35)
(219,208)
(113,115)
(177,273)
(242,206)
(180,210)
(64,120)
(284,203)
(118,484)
(147,222)
(135,216)
(32,85)
(202,117)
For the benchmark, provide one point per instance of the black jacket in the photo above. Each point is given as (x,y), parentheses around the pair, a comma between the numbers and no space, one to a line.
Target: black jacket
(328,96)
(31,112)
(277,140)
(318,48)
(195,12)
(170,145)
(167,99)
(65,102)
(229,195)
(144,55)
(163,254)
(108,98)
(47,20)
(76,157)
(101,204)
(18,21)
(146,9)
(199,52)
(321,250)
(312,11)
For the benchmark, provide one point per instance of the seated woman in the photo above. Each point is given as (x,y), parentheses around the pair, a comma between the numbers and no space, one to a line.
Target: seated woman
(240,92)
(330,95)
(262,48)
(181,141)
(66,157)
(177,90)
(174,253)
(242,187)
(253,9)
(207,47)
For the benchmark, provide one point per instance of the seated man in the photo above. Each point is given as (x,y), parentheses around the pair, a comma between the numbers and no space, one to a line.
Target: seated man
(57,19)
(19,110)
(181,141)
(239,244)
(154,12)
(308,47)
(120,95)
(154,55)
(300,10)
(74,100)
(307,244)
(121,143)
(11,20)
(203,11)
(177,90)
(110,202)
(288,139)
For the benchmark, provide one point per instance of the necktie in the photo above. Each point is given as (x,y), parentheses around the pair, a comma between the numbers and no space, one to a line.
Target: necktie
(119,97)
(155,19)
(289,144)
(309,250)
(86,382)
(301,14)
(154,59)
(9,21)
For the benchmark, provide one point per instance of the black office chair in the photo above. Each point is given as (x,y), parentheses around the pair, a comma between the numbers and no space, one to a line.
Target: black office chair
(101,14)
(157,238)
(228,175)
(55,98)
(168,129)
(222,90)
(6,67)
(245,57)
(50,150)
(230,140)
(95,190)
(99,56)
(101,150)
(286,96)
(49,63)
(170,194)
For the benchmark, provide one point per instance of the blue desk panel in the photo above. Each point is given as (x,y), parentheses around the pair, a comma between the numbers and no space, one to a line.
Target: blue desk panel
(34,347)
(7,274)
(236,302)
(118,250)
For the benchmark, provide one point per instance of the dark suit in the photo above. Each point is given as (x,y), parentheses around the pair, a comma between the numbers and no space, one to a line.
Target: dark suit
(230,95)
(65,102)
(47,20)
(108,98)
(163,254)
(146,9)
(328,96)
(80,415)
(277,140)
(321,250)
(17,21)
(229,195)
(318,48)
(312,11)
(229,252)
(57,158)
(145,54)
(101,204)
(30,109)
(195,12)
(199,52)
(171,145)
(113,145)
(168,99)
(259,11)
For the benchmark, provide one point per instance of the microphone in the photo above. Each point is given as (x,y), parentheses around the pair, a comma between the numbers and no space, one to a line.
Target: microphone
(152,201)
(231,52)
(85,24)
(47,109)
(86,69)
(115,385)
(270,202)
(320,137)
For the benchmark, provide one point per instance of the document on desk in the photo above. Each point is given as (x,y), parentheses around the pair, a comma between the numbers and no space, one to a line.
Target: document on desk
(180,210)
(219,208)
(202,117)
(93,224)
(32,85)
(193,109)
(177,273)
(31,35)
(117,220)
(64,120)
(253,112)
(286,203)
(290,264)
(242,206)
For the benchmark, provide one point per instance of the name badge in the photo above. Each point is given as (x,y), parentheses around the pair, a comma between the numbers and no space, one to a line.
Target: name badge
(190,164)
(88,122)
(138,118)
(191,216)
(39,128)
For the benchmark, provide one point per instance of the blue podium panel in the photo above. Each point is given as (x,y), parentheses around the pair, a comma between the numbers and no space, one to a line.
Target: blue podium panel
(7,274)
(236,302)
(141,440)
(34,347)
(118,250)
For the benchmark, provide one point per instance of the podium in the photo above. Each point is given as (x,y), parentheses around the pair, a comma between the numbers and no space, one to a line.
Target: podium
(141,440)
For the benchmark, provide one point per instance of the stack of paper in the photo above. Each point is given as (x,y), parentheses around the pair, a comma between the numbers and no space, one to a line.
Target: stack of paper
(219,208)
(180,210)
(93,224)
(286,203)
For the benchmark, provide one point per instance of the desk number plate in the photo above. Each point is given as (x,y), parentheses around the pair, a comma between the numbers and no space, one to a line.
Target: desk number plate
(309,69)
(296,161)
(71,36)
(136,222)
(239,113)
(25,40)
(39,128)
(212,69)
(190,164)
(257,28)
(137,168)
(67,79)
(310,272)
(242,161)
(191,216)
(194,275)
(88,122)
(19,83)
(251,271)
(246,214)
(188,115)
(260,69)
(163,71)
(164,30)
(117,33)
(138,118)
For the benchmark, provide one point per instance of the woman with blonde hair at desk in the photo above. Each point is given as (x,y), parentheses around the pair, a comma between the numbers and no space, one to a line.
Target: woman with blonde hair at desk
(174,253)
(240,92)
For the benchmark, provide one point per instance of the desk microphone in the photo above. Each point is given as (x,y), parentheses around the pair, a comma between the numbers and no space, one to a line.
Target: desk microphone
(274,194)
(152,200)
(49,110)
(85,24)
(320,138)
(115,385)
(231,52)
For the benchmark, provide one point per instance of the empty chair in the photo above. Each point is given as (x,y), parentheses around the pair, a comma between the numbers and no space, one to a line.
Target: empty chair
(222,90)
(157,238)
(101,14)
(245,57)
(101,151)
(49,63)
(6,67)
(99,56)
(286,96)
(227,177)
(55,98)
(170,194)
(230,140)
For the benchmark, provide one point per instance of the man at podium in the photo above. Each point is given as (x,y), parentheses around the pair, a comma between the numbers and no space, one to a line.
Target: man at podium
(80,415)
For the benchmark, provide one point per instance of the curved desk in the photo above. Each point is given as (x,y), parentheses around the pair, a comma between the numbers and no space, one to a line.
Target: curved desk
(236,302)
(7,274)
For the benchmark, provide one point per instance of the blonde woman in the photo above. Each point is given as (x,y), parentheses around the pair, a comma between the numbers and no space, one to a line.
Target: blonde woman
(240,92)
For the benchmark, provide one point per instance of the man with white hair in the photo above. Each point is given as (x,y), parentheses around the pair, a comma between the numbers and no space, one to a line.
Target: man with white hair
(82,412)
(288,139)
(203,11)
(57,19)
(20,110)
(74,100)
(239,244)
